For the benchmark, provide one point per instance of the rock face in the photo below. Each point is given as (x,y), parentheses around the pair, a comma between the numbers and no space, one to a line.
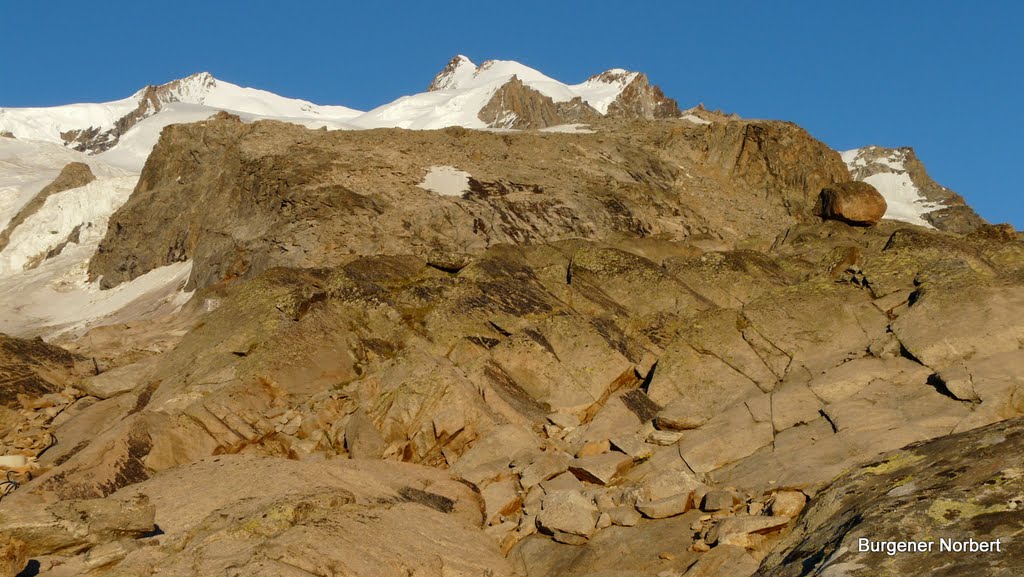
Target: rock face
(237,199)
(640,99)
(956,489)
(856,203)
(518,106)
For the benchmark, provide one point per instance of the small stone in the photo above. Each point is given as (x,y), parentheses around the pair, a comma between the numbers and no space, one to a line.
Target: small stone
(568,512)
(500,499)
(667,556)
(362,439)
(600,469)
(591,448)
(544,467)
(568,538)
(678,416)
(532,501)
(787,503)
(605,502)
(719,500)
(624,516)
(729,526)
(604,521)
(564,420)
(700,547)
(664,438)
(632,445)
(667,507)
(564,482)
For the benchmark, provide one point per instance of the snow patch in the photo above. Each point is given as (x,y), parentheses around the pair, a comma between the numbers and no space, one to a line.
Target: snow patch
(57,298)
(904,200)
(695,119)
(446,181)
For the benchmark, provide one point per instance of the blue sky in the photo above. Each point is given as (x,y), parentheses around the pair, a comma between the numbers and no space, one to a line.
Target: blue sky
(941,76)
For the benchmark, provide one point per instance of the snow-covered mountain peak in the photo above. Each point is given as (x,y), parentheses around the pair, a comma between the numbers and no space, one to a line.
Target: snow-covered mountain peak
(457,71)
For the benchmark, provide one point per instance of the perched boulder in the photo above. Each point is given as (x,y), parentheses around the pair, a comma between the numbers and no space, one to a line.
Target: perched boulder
(856,203)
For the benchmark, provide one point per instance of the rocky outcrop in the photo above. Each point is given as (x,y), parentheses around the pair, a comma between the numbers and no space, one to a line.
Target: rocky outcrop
(518,106)
(237,199)
(856,203)
(953,500)
(639,99)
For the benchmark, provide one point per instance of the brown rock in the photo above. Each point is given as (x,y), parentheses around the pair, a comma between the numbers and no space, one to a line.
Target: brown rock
(787,503)
(854,202)
(667,507)
(569,512)
(719,500)
(729,526)
(13,556)
(362,439)
(600,469)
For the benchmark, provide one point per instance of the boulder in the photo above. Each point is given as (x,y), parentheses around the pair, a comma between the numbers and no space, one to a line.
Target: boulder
(787,503)
(719,500)
(600,469)
(667,507)
(568,512)
(742,525)
(544,467)
(856,203)
(501,498)
(724,560)
(362,439)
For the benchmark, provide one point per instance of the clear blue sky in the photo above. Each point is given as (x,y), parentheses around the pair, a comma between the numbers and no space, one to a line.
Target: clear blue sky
(944,77)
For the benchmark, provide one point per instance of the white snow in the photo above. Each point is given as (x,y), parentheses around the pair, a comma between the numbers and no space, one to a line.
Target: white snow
(27,166)
(204,89)
(463,91)
(56,298)
(904,200)
(902,197)
(199,89)
(446,181)
(601,90)
(134,147)
(89,207)
(695,119)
